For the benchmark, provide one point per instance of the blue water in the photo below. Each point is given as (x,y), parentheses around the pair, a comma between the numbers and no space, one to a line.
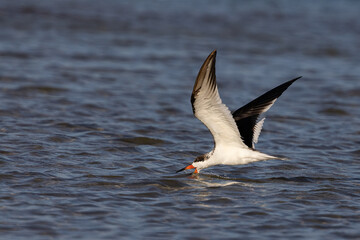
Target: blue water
(96,118)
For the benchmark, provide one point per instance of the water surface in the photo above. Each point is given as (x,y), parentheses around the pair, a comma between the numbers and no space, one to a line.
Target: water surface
(96,118)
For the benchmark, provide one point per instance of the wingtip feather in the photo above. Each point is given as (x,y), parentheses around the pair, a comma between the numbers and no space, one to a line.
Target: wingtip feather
(209,62)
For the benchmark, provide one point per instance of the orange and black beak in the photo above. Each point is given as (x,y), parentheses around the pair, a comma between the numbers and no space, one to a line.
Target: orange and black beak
(188,167)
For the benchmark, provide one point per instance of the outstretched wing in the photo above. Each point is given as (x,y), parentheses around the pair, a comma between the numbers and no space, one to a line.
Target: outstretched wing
(246,117)
(209,109)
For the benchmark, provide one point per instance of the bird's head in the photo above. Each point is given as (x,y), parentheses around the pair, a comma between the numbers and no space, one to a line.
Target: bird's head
(197,164)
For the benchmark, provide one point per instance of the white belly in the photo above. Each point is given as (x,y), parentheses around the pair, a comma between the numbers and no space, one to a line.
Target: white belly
(230,155)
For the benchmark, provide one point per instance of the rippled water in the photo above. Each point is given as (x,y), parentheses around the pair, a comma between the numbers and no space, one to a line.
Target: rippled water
(96,118)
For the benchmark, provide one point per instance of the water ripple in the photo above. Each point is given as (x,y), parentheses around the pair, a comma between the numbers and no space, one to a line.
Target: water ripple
(96,118)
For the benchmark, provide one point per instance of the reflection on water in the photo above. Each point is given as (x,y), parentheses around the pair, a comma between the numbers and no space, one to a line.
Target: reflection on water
(96,118)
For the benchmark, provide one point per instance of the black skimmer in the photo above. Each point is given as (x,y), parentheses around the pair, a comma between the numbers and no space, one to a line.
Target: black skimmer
(234,133)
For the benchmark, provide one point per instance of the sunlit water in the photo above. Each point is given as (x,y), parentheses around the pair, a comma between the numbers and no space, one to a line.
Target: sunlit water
(96,118)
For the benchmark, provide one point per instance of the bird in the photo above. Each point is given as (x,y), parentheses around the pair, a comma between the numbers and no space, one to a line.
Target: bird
(235,133)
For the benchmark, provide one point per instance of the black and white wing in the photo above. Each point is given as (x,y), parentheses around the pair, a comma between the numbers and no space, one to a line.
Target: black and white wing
(246,117)
(209,109)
